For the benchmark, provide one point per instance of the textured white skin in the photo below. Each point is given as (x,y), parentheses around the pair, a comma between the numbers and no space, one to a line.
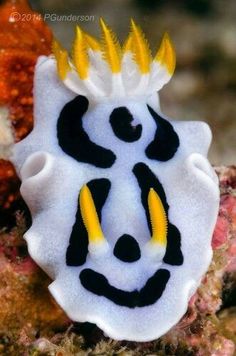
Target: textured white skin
(51,181)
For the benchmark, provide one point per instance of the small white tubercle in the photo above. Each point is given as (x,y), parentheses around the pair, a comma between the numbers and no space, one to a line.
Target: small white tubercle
(196,162)
(37,166)
(37,184)
(154,251)
(99,250)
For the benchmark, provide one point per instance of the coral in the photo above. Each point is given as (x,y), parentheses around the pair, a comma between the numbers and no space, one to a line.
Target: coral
(21,42)
(31,324)
(9,184)
(9,194)
(25,301)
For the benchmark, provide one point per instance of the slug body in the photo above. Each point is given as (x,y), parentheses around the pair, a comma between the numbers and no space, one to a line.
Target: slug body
(123,199)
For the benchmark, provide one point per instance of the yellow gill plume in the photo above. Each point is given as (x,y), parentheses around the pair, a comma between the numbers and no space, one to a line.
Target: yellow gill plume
(92,42)
(90,217)
(140,48)
(80,55)
(158,219)
(128,45)
(61,57)
(137,67)
(110,48)
(166,54)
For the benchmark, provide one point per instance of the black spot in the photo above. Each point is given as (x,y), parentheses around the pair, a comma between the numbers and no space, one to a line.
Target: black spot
(74,141)
(78,246)
(166,140)
(121,123)
(173,255)
(147,180)
(154,288)
(99,285)
(148,295)
(127,249)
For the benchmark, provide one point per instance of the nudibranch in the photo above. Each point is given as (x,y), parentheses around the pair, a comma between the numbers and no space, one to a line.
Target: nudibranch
(123,199)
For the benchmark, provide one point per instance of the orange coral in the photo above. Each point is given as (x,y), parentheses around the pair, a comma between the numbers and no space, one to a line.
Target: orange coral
(23,288)
(9,184)
(22,40)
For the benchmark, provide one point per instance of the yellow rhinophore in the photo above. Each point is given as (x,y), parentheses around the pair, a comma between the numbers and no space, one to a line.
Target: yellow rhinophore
(140,48)
(111,48)
(166,54)
(61,57)
(89,216)
(80,55)
(158,219)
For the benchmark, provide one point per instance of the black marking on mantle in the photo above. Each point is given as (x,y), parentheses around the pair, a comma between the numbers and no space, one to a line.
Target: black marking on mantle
(73,139)
(127,249)
(78,246)
(98,284)
(147,180)
(121,123)
(166,140)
